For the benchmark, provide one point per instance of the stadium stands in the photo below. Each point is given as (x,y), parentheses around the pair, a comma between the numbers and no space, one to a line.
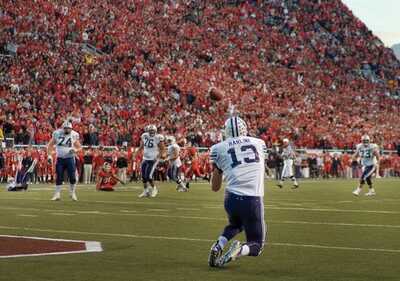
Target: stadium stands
(305,69)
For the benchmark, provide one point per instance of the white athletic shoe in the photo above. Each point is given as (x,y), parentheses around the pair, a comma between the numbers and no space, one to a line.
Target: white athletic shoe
(181,188)
(154,192)
(145,193)
(357,192)
(370,193)
(56,197)
(232,254)
(73,196)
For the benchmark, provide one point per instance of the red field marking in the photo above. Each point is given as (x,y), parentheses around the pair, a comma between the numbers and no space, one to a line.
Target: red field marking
(23,246)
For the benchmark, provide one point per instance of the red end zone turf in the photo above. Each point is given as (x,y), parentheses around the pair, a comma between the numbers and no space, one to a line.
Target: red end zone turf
(22,246)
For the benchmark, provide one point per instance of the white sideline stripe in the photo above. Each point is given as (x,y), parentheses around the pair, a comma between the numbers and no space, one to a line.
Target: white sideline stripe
(134,213)
(91,246)
(269,208)
(337,224)
(199,239)
(188,209)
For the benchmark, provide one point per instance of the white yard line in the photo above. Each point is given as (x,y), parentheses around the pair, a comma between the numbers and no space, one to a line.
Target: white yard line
(62,214)
(199,239)
(26,215)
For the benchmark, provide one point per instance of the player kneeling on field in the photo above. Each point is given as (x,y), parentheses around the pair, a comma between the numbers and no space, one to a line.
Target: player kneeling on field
(106,180)
(241,160)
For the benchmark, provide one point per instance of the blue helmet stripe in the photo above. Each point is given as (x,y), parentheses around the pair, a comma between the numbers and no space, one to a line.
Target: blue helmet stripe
(236,126)
(233,131)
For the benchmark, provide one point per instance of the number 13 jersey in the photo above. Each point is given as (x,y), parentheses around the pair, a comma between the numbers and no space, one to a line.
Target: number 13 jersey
(64,142)
(242,160)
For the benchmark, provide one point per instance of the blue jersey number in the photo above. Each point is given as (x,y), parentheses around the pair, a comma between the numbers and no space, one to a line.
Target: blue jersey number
(148,142)
(236,162)
(63,142)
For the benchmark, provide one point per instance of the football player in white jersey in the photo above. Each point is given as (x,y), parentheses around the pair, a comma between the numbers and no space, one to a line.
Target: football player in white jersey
(175,164)
(369,154)
(66,143)
(241,161)
(288,155)
(153,146)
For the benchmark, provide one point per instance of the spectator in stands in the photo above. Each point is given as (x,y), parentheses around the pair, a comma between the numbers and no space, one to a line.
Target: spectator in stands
(122,165)
(87,166)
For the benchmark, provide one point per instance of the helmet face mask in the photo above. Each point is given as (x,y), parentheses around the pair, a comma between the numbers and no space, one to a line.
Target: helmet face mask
(106,167)
(152,130)
(365,140)
(67,126)
(235,127)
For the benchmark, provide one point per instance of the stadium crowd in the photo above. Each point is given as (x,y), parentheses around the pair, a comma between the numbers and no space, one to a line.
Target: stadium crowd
(305,69)
(195,165)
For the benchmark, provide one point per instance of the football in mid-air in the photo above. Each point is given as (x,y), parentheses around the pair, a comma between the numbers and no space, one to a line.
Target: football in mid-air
(216,94)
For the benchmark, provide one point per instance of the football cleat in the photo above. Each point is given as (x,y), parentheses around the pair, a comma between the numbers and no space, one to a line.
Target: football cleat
(154,192)
(370,193)
(215,255)
(74,197)
(232,254)
(357,192)
(56,197)
(145,193)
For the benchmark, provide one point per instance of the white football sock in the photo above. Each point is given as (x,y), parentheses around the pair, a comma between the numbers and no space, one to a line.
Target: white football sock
(58,188)
(72,188)
(245,251)
(222,241)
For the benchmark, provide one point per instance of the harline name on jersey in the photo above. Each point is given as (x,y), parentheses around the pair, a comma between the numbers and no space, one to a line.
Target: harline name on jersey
(238,141)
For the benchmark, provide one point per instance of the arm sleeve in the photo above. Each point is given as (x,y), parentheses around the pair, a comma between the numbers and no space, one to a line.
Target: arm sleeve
(214,156)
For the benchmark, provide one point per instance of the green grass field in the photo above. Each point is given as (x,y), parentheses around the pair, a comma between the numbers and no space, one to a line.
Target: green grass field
(318,232)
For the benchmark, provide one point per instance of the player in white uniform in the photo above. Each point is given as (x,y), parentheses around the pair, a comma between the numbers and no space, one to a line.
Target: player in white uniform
(175,165)
(369,154)
(153,146)
(66,143)
(241,160)
(288,156)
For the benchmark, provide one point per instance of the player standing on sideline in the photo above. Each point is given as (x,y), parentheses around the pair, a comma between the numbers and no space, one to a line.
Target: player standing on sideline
(66,142)
(288,155)
(153,146)
(241,160)
(369,154)
(175,165)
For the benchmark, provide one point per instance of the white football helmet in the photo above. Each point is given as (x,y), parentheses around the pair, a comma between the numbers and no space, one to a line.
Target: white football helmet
(67,126)
(151,129)
(365,139)
(235,127)
(170,139)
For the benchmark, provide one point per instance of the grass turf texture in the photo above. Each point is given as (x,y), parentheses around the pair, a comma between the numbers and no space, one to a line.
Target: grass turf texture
(318,232)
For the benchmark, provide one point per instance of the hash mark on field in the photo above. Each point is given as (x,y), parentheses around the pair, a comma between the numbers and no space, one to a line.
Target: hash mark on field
(128,211)
(158,210)
(26,215)
(62,214)
(199,239)
(188,209)
(89,212)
